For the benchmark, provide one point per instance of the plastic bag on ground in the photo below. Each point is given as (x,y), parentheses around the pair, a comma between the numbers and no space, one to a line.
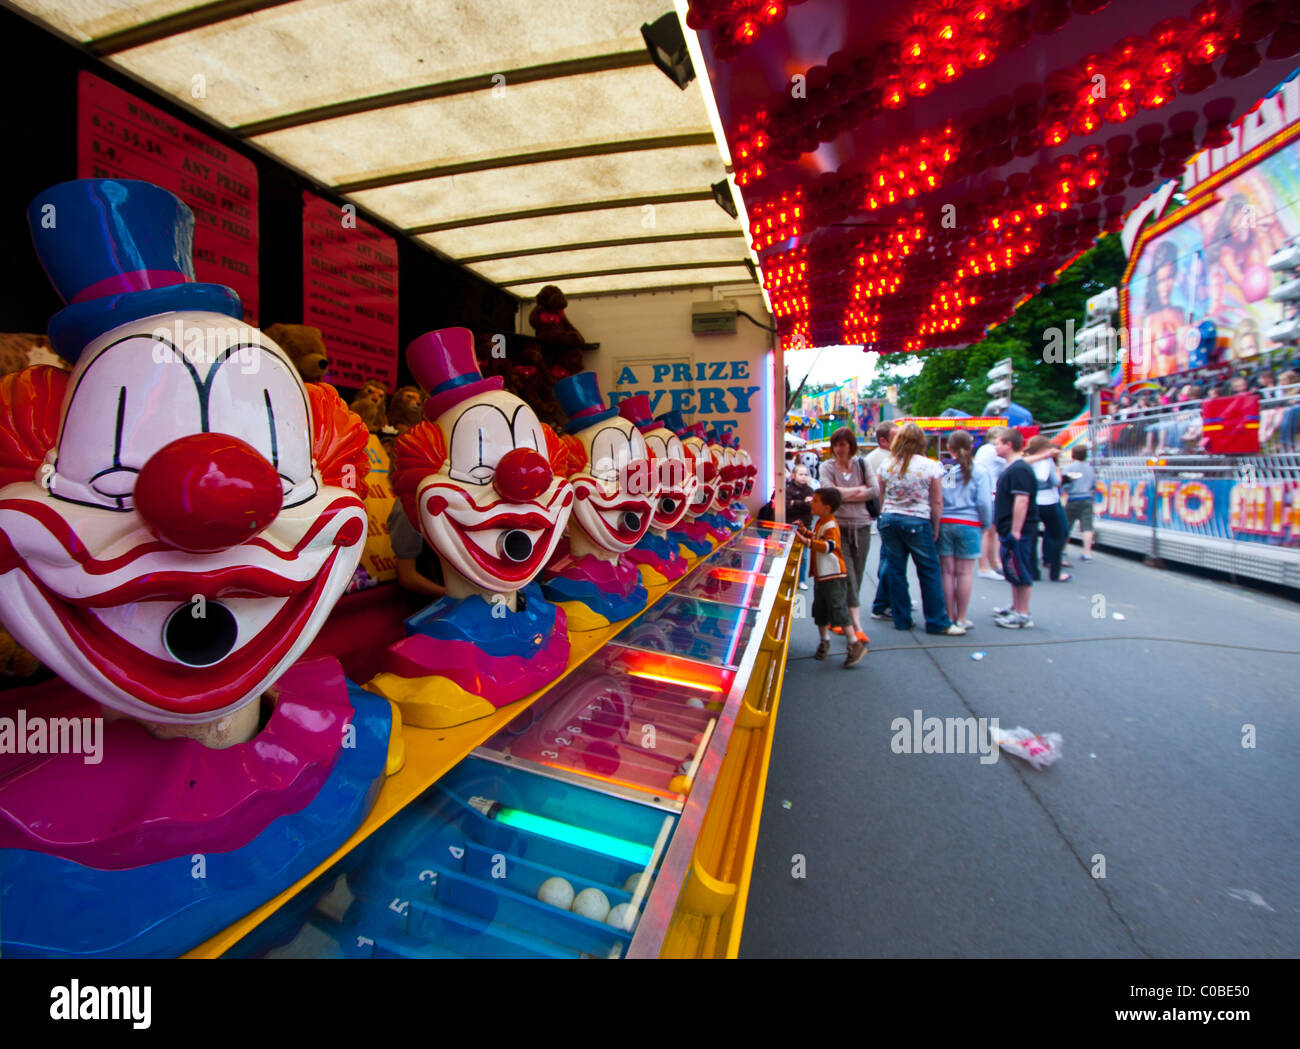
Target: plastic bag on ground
(1039,750)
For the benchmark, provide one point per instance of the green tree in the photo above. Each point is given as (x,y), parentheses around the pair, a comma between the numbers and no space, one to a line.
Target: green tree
(958,378)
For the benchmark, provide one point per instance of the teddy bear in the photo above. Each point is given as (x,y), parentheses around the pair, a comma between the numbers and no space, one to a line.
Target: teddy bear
(304,346)
(548,320)
(20,349)
(369,404)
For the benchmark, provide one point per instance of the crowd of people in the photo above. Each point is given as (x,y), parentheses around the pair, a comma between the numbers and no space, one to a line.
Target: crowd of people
(1167,420)
(978,513)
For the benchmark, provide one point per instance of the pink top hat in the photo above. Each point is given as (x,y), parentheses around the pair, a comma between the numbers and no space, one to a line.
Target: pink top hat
(443,363)
(636,410)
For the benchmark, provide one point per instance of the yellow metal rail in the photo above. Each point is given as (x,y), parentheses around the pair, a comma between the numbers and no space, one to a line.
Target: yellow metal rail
(711,909)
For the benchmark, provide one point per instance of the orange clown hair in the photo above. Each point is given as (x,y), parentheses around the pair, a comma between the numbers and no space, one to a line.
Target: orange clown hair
(419,453)
(338,439)
(30,404)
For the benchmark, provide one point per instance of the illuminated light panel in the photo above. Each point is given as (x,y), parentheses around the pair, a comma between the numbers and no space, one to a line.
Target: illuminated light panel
(665,679)
(581,837)
(734,575)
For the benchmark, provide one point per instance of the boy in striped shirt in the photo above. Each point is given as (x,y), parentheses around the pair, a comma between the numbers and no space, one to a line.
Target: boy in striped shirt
(830,596)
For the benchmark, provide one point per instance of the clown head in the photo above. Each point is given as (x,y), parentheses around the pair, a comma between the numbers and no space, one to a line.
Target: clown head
(476,474)
(726,472)
(703,466)
(677,480)
(179,515)
(615,484)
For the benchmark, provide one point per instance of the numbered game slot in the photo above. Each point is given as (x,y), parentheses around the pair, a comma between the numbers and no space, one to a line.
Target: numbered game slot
(493,862)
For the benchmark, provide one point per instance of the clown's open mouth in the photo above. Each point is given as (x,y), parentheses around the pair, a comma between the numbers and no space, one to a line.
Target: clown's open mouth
(627,521)
(703,499)
(509,546)
(180,644)
(197,642)
(669,509)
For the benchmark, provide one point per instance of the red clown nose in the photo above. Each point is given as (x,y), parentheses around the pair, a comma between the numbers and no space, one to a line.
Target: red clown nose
(522,474)
(207,492)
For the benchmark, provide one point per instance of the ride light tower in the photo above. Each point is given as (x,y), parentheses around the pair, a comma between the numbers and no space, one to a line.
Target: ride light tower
(1003,376)
(1096,349)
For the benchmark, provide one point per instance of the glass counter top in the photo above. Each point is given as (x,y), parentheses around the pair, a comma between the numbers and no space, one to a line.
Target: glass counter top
(628,717)
(723,583)
(685,626)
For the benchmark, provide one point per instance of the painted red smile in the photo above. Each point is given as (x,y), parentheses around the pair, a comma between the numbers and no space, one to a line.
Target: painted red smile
(175,687)
(503,568)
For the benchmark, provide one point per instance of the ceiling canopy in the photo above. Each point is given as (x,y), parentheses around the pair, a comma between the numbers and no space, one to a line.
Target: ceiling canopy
(913,169)
(531,148)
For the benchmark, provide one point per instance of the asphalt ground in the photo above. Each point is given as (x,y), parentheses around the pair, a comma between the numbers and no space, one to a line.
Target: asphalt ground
(864,852)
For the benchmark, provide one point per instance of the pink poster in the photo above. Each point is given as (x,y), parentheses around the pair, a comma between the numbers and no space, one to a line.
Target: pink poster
(118,136)
(349,277)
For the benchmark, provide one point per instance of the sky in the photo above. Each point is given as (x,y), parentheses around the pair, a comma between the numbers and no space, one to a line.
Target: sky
(831,365)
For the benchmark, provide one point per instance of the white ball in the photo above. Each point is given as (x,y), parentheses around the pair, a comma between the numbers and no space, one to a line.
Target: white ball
(557,892)
(633,880)
(619,916)
(694,702)
(591,903)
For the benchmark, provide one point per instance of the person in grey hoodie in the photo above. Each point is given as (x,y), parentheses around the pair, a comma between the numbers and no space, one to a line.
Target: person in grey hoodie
(1080,493)
(967,511)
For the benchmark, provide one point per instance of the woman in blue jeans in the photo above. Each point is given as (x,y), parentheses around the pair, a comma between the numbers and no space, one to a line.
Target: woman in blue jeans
(909,524)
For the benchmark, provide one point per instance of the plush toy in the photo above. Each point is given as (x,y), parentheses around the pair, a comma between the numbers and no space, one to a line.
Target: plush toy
(548,320)
(659,558)
(615,488)
(304,346)
(208,519)
(19,350)
(404,408)
(369,404)
(476,477)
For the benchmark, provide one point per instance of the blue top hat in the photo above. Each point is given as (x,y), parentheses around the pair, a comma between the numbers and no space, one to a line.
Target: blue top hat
(116,251)
(579,396)
(710,436)
(674,421)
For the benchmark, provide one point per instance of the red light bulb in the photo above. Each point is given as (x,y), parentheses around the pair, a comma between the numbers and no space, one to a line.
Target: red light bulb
(1121,110)
(946,27)
(1055,133)
(746,31)
(920,84)
(1160,94)
(979,53)
(1208,47)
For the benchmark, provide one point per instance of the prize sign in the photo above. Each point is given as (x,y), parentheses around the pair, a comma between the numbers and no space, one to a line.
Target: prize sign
(349,277)
(118,136)
(716,393)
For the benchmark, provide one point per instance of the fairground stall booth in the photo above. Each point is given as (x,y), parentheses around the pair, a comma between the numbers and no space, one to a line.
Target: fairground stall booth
(375,542)
(387,391)
(1197,449)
